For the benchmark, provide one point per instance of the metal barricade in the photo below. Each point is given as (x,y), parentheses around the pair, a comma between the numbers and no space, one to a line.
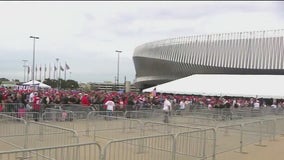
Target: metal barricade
(23,115)
(52,114)
(18,133)
(200,144)
(84,151)
(13,132)
(194,121)
(45,135)
(279,122)
(158,147)
(113,113)
(145,114)
(110,127)
(153,128)
(255,132)
(12,107)
(229,137)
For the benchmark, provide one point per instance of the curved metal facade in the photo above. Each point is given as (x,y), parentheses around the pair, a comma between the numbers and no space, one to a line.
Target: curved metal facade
(258,52)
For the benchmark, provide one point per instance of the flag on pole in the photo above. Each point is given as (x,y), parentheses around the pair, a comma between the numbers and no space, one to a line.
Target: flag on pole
(45,69)
(49,69)
(66,66)
(54,71)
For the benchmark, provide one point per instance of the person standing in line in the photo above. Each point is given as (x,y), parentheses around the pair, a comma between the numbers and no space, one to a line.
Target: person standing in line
(36,106)
(181,106)
(110,107)
(256,105)
(85,101)
(31,98)
(166,109)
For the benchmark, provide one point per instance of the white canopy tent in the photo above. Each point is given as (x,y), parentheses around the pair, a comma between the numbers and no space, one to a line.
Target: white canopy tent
(258,86)
(37,83)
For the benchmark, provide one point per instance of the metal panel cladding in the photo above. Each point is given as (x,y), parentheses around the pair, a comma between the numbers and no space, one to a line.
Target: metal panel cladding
(255,52)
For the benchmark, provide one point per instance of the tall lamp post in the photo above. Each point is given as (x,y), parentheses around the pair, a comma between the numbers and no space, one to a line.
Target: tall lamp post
(117,77)
(25,61)
(33,72)
(58,70)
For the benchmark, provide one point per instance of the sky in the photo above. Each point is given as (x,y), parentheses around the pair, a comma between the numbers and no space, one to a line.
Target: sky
(85,35)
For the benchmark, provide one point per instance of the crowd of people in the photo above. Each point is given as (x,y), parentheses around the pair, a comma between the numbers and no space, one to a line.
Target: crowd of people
(41,99)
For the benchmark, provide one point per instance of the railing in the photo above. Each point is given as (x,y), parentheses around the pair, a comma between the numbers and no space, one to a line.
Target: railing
(18,133)
(107,127)
(85,151)
(189,141)
(13,132)
(42,134)
(158,147)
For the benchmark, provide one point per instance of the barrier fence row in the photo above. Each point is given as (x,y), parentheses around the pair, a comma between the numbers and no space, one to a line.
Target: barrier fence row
(186,145)
(227,137)
(18,133)
(86,151)
(196,108)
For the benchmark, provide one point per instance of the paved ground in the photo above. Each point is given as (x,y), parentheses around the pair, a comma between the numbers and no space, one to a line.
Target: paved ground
(273,150)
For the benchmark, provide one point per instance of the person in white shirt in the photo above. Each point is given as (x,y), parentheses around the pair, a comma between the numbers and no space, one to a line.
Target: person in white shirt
(166,109)
(256,105)
(31,97)
(274,108)
(110,108)
(181,107)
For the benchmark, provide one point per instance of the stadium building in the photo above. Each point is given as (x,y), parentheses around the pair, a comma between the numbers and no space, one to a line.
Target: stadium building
(256,52)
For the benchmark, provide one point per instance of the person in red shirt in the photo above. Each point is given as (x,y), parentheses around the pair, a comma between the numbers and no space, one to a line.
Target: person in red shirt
(85,100)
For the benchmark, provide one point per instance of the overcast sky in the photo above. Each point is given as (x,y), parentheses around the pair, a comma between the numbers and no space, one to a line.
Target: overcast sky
(86,34)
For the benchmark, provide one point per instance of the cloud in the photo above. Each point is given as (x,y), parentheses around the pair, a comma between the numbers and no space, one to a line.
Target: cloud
(86,34)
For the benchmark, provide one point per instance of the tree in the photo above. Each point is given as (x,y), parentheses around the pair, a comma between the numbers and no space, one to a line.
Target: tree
(3,79)
(51,82)
(69,84)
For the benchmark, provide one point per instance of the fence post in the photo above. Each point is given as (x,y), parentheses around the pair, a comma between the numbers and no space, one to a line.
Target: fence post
(140,145)
(26,140)
(241,138)
(214,143)
(274,129)
(124,126)
(41,132)
(88,125)
(174,146)
(260,134)
(204,145)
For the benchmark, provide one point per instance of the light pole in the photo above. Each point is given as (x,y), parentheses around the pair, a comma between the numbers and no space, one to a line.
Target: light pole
(117,77)
(25,61)
(33,73)
(57,60)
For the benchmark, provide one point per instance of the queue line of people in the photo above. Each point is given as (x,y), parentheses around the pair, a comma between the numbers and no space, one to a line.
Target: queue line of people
(126,101)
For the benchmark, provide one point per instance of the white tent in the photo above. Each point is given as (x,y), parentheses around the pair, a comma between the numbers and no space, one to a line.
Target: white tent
(259,86)
(37,83)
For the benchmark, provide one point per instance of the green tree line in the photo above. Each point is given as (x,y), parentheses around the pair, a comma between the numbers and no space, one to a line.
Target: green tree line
(62,84)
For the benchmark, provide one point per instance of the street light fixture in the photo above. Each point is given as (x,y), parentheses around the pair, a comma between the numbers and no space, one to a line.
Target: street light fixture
(33,73)
(117,77)
(25,61)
